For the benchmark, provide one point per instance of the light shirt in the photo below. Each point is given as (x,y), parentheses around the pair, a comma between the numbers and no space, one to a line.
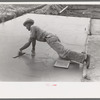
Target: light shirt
(39,34)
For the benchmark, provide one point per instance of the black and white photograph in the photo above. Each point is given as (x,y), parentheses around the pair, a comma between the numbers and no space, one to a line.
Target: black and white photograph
(49,42)
(49,50)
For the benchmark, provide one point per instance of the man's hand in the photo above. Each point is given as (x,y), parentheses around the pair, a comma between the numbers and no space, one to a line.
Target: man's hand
(33,53)
(20,53)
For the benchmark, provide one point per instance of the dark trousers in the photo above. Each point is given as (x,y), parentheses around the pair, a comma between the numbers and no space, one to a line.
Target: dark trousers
(64,53)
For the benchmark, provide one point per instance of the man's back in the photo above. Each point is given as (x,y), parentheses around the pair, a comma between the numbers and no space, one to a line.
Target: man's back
(38,33)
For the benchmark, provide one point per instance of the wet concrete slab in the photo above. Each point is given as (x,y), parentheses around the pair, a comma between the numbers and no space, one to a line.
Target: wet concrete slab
(72,32)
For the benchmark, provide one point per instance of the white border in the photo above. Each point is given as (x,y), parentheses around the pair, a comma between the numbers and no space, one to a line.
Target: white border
(49,89)
(76,3)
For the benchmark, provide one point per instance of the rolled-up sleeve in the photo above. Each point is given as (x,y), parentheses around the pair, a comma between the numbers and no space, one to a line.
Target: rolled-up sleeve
(31,39)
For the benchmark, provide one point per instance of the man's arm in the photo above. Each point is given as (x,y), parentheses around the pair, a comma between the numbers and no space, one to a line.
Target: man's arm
(33,47)
(33,44)
(31,40)
(25,46)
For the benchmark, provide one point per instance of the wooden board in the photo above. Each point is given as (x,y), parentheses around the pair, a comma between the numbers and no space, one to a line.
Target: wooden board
(61,63)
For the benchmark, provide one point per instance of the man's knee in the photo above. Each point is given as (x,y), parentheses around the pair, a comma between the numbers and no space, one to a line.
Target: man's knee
(63,57)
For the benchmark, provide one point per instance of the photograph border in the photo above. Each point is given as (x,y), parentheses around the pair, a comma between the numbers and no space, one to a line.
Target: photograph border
(70,90)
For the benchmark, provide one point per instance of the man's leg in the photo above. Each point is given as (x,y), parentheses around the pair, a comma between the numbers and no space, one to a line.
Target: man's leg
(65,53)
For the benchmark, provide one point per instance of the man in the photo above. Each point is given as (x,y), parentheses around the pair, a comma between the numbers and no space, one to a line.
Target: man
(54,42)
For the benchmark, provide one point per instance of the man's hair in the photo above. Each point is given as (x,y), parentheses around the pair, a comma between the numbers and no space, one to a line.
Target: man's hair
(28,20)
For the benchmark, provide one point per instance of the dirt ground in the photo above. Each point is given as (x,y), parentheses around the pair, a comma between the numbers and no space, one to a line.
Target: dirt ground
(8,12)
(11,11)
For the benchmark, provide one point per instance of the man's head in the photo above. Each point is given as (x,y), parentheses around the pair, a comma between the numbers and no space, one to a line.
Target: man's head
(28,23)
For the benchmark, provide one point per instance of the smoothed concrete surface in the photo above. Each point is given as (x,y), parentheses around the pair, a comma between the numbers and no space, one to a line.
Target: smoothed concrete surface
(72,32)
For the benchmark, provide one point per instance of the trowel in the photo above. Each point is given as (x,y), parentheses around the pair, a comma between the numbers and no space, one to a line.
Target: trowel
(20,54)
